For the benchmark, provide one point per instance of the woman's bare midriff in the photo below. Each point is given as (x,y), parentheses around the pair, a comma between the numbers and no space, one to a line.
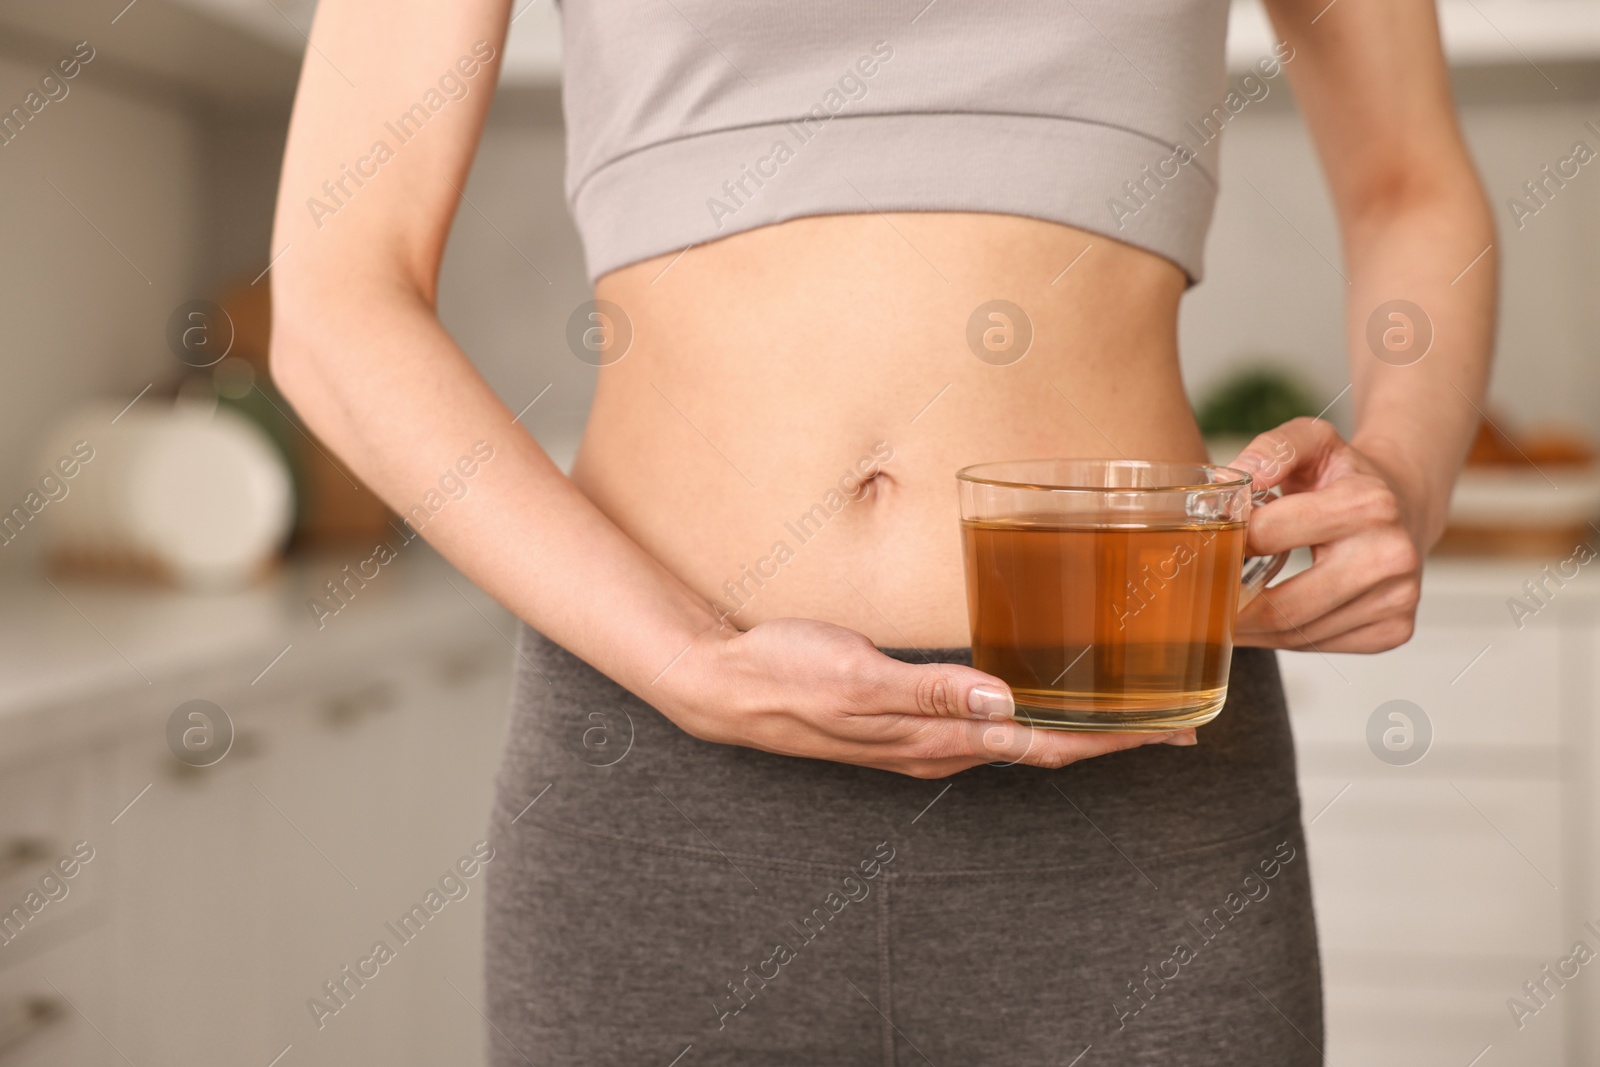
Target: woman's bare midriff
(769,369)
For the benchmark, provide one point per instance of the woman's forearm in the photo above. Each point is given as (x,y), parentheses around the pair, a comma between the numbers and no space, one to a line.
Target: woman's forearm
(358,348)
(1372,82)
(1420,327)
(376,376)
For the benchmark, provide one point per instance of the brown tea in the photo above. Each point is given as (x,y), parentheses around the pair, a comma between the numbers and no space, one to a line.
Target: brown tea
(1102,626)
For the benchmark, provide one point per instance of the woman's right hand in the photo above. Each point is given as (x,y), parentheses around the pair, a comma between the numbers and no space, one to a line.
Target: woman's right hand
(799,687)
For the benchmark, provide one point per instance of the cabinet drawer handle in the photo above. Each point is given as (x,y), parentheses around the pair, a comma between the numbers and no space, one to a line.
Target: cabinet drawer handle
(24,1017)
(349,708)
(22,854)
(247,745)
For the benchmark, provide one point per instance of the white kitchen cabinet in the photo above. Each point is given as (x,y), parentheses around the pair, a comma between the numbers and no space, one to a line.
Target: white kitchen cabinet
(225,896)
(1441,886)
(270,873)
(391,779)
(41,999)
(49,969)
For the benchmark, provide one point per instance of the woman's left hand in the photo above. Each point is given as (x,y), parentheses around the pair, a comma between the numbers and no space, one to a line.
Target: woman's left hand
(1361,592)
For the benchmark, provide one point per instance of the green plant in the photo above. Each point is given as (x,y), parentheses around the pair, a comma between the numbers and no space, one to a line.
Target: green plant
(1252,400)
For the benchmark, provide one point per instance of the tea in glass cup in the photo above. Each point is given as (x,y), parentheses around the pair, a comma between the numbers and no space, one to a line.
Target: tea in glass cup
(1104,592)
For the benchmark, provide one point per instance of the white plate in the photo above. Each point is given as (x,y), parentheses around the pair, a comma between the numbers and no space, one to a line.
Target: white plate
(1519,497)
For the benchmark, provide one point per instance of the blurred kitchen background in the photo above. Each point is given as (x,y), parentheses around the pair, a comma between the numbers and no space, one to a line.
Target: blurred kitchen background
(245,848)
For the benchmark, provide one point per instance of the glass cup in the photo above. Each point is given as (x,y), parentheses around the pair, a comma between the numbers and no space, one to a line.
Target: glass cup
(1104,591)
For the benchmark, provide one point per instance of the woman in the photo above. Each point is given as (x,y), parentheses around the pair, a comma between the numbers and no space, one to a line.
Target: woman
(716,836)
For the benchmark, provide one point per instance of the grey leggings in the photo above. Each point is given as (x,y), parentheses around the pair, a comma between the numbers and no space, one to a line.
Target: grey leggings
(655,896)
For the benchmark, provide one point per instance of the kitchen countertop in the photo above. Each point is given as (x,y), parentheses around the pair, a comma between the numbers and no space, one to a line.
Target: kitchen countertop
(80,639)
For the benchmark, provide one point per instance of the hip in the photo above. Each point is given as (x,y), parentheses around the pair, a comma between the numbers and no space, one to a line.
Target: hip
(586,758)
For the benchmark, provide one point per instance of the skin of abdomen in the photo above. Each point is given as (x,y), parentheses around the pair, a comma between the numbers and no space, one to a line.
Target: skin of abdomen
(784,430)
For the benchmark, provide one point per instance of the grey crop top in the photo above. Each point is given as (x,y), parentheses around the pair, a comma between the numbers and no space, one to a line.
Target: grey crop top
(690,120)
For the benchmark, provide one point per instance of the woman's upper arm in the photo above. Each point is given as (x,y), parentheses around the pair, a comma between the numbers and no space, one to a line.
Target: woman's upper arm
(390,106)
(1371,80)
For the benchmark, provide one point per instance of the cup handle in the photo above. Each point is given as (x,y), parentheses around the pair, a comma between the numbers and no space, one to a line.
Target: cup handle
(1259,570)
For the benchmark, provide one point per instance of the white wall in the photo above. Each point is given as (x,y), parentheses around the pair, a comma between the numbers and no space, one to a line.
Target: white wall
(1269,291)
(242,153)
(508,317)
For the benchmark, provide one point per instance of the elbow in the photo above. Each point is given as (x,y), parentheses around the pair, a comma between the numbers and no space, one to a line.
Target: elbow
(1445,188)
(325,303)
(291,351)
(315,318)
(316,309)
(288,375)
(1443,203)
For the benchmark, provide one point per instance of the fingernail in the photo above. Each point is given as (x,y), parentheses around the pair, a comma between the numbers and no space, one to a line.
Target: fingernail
(1183,738)
(987,702)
